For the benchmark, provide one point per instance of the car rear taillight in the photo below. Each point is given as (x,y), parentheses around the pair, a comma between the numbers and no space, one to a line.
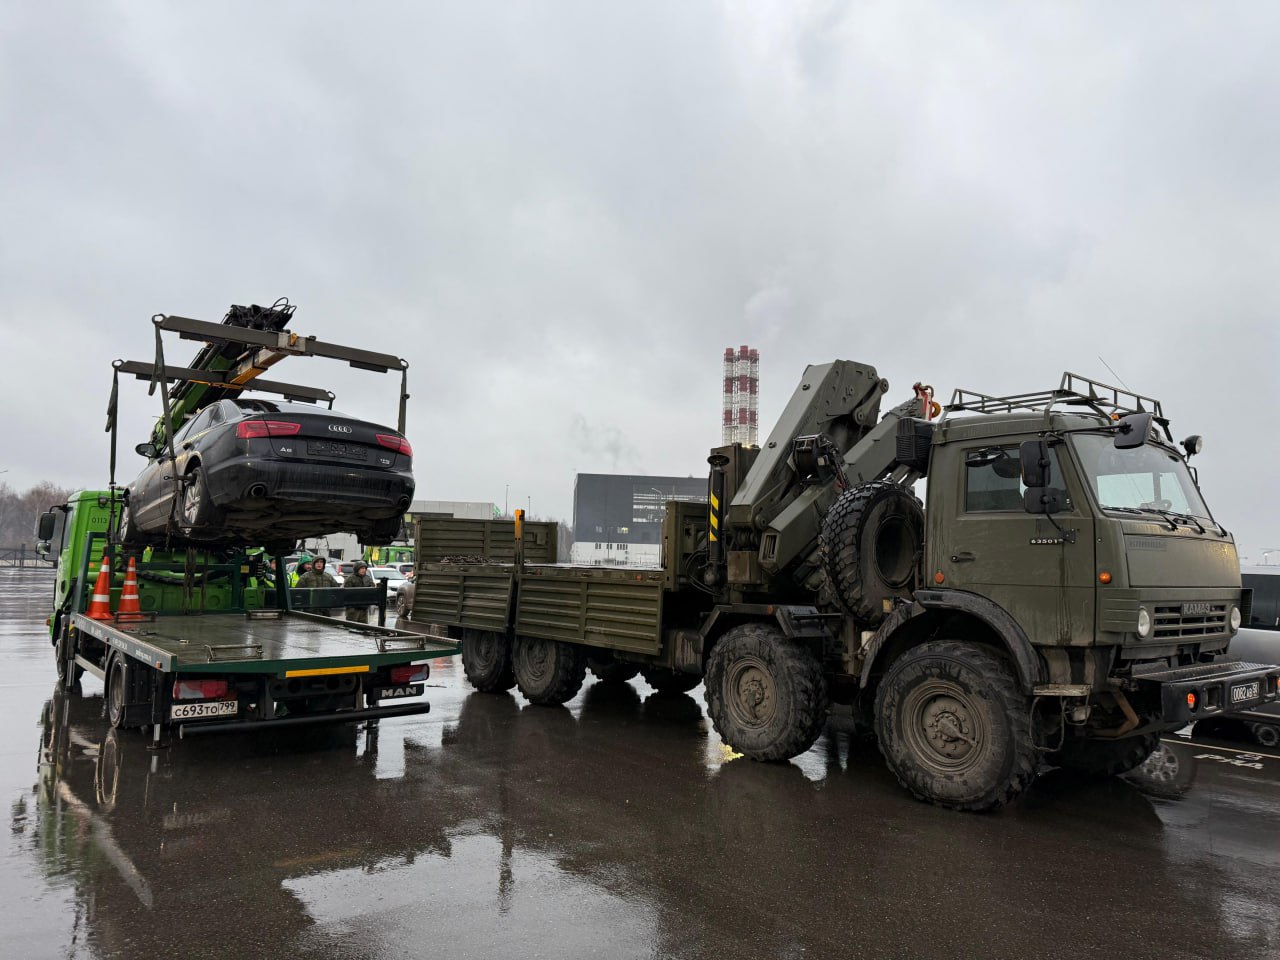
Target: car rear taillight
(409,673)
(249,429)
(199,689)
(399,444)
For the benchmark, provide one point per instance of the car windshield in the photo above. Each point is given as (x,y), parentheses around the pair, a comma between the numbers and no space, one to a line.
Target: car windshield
(1142,478)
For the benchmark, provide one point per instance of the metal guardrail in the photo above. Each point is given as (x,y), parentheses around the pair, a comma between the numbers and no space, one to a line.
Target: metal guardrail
(20,556)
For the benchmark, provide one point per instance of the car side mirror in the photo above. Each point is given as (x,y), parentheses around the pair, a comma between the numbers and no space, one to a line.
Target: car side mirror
(43,547)
(1132,431)
(46,523)
(148,450)
(1034,455)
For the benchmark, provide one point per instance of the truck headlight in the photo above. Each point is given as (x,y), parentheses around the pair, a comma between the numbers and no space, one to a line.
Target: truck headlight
(1235,619)
(1144,622)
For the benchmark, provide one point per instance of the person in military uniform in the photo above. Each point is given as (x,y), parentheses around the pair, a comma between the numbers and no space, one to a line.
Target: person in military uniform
(359,578)
(316,577)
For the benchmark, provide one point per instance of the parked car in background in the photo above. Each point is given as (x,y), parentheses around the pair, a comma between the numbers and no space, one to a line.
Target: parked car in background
(392,576)
(404,596)
(271,472)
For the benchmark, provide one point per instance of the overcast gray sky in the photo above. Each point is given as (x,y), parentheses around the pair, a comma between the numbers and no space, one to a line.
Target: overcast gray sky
(561,213)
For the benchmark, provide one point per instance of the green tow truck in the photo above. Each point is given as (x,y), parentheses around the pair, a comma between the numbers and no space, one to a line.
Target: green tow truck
(219,642)
(1065,599)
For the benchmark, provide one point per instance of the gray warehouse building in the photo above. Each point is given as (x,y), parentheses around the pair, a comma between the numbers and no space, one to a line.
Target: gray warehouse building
(617,518)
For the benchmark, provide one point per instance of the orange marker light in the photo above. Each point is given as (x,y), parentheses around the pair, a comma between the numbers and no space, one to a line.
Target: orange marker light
(1104,577)
(938,577)
(1191,700)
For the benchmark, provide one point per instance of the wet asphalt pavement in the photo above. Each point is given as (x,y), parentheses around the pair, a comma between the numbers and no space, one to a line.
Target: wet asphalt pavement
(615,827)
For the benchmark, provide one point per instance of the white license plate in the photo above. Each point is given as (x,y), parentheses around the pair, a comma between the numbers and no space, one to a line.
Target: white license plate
(1245,691)
(209,708)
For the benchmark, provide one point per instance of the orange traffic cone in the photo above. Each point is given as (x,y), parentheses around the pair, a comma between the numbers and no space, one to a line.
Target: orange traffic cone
(100,605)
(130,608)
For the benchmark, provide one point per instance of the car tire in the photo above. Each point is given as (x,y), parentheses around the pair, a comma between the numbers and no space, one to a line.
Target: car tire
(116,693)
(196,510)
(954,726)
(548,672)
(486,661)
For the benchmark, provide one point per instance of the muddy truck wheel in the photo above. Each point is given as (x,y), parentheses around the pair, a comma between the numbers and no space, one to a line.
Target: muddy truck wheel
(486,661)
(612,671)
(548,672)
(669,681)
(766,695)
(954,726)
(1104,758)
(870,545)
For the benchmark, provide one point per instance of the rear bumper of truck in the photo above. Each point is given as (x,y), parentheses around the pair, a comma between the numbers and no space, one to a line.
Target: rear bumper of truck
(341,716)
(1193,693)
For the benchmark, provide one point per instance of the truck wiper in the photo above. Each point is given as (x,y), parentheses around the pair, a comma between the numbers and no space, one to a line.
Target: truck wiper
(1180,517)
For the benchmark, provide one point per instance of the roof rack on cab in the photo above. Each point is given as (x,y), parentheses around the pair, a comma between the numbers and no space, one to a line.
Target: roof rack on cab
(1108,402)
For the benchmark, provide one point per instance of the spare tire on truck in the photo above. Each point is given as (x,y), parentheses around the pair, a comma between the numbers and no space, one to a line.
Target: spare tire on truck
(871,544)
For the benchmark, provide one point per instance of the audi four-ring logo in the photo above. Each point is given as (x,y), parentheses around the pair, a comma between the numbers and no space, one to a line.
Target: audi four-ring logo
(339,428)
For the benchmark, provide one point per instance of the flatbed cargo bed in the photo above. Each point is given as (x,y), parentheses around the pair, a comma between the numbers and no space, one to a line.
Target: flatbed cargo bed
(261,642)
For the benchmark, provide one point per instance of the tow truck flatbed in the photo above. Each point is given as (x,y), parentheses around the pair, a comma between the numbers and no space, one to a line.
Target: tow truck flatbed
(266,641)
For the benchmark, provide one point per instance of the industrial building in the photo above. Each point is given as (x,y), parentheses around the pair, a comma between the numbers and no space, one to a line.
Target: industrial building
(617,518)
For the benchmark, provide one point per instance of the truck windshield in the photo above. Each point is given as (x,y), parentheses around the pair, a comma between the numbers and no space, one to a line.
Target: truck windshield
(1143,478)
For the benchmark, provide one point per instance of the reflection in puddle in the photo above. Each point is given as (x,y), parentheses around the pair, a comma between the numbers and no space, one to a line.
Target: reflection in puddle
(508,903)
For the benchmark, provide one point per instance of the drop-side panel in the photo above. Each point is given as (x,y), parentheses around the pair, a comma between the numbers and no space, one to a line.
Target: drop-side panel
(463,595)
(617,609)
(494,540)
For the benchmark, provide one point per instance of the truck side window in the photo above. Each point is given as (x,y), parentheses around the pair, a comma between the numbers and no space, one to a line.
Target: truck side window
(993,479)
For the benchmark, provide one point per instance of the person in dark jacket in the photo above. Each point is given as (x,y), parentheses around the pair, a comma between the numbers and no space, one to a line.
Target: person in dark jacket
(317,577)
(359,578)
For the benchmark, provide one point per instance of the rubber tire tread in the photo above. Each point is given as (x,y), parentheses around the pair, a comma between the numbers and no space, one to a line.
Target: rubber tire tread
(670,681)
(116,719)
(568,671)
(493,675)
(1020,768)
(612,671)
(1105,758)
(854,585)
(798,673)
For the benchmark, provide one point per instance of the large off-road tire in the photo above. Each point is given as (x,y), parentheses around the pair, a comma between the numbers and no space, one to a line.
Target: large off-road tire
(766,695)
(547,671)
(871,543)
(486,660)
(669,681)
(954,726)
(1104,758)
(612,671)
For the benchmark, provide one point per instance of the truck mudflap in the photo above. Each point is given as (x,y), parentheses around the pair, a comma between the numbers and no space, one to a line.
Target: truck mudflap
(341,716)
(1212,689)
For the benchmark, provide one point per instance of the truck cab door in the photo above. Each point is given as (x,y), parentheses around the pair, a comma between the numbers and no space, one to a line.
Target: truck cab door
(986,543)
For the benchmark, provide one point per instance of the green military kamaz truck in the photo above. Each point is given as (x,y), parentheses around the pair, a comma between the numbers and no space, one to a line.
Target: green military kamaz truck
(1066,597)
